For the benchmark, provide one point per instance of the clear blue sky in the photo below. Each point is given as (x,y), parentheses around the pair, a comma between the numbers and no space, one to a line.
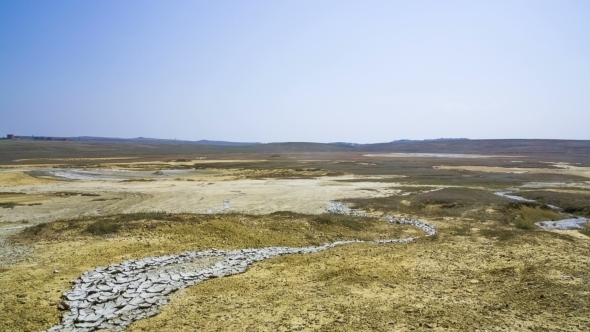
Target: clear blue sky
(356,71)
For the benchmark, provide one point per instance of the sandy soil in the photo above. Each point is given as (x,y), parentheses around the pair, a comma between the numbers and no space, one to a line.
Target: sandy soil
(13,178)
(192,191)
(23,199)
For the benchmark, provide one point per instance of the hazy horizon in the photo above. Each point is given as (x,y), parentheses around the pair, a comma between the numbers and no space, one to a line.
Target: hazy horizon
(264,71)
(401,140)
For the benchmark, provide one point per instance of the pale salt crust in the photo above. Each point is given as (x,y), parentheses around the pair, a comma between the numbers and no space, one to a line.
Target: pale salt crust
(113,297)
(564,224)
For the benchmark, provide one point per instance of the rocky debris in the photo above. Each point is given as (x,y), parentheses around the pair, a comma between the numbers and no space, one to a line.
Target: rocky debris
(429,230)
(158,173)
(338,208)
(223,208)
(513,197)
(341,208)
(113,297)
(563,224)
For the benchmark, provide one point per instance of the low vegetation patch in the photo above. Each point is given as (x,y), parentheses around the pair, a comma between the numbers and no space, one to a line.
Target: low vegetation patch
(66,193)
(103,227)
(577,203)
(462,230)
(499,233)
(300,228)
(8,205)
(524,215)
(351,222)
(102,199)
(288,173)
(138,180)
(476,204)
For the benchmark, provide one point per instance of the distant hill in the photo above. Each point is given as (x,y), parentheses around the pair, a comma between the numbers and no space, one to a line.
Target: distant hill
(132,140)
(487,146)
(159,140)
(88,146)
(345,143)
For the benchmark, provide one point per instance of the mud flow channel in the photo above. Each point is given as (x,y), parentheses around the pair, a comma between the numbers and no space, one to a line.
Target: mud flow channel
(116,296)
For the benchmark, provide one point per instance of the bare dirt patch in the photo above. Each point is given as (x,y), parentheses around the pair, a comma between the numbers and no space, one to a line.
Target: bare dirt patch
(207,192)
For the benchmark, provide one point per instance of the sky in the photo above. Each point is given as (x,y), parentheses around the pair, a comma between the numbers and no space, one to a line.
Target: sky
(296,70)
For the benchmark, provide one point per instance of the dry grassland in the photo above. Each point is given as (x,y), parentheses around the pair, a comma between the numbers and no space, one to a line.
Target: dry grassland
(465,278)
(30,290)
(452,283)
(489,268)
(569,170)
(12,179)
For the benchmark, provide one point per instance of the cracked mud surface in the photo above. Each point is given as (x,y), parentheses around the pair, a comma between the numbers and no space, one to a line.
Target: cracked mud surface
(114,297)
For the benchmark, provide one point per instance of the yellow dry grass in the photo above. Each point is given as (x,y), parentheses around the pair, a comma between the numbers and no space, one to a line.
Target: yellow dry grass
(451,283)
(534,280)
(526,216)
(30,290)
(23,199)
(12,179)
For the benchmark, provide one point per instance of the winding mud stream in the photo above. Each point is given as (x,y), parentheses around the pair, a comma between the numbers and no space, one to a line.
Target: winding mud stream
(120,294)
(116,296)
(563,224)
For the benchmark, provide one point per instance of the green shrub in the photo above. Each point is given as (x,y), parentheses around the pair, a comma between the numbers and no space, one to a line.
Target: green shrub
(325,219)
(35,230)
(8,205)
(103,227)
(351,222)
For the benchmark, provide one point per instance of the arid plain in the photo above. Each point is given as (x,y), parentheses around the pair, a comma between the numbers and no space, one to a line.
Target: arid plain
(71,207)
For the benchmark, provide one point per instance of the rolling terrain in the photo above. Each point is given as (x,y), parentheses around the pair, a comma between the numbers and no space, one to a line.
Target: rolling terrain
(70,209)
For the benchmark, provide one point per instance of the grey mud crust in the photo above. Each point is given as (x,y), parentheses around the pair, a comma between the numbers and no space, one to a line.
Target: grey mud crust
(114,297)
(9,253)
